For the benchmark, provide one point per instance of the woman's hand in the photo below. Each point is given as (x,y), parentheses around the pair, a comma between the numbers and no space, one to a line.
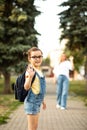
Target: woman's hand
(71,58)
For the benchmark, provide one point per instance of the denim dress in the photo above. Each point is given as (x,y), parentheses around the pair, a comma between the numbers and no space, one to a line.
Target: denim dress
(33,101)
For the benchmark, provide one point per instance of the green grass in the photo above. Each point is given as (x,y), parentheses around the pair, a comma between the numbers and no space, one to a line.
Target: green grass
(7,103)
(79,89)
(1,84)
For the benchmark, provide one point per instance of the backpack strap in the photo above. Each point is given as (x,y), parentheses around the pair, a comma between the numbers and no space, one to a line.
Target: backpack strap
(33,78)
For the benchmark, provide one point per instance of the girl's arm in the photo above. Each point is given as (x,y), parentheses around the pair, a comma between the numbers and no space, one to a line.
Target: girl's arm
(44,105)
(28,78)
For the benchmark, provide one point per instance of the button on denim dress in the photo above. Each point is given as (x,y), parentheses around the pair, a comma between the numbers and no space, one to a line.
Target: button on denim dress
(33,101)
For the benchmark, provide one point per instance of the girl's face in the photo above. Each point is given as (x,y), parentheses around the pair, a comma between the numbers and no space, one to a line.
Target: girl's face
(36,58)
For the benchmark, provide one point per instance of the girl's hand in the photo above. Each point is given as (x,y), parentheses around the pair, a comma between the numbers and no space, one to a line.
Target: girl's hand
(28,76)
(31,71)
(44,105)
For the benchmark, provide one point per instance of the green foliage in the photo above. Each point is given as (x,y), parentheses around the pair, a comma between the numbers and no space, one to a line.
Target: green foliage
(46,61)
(79,59)
(17,33)
(73,22)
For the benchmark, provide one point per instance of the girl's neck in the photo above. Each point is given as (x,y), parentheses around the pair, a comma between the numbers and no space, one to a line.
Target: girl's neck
(37,68)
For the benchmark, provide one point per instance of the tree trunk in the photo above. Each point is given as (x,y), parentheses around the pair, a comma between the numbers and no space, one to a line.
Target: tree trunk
(86,72)
(7,88)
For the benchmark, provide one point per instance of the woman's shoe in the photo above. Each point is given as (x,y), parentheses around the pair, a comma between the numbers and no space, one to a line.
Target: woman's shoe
(63,108)
(58,106)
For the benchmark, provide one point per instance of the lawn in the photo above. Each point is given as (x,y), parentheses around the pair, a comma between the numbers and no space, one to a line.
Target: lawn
(7,103)
(79,89)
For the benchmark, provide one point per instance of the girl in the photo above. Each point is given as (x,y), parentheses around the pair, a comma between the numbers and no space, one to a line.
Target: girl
(36,91)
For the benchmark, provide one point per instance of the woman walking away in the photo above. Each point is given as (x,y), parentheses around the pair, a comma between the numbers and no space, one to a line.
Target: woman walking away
(35,97)
(61,72)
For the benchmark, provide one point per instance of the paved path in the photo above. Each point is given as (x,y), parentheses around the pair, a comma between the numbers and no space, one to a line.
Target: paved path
(73,118)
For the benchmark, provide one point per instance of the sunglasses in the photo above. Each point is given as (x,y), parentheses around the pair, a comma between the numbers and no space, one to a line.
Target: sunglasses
(35,57)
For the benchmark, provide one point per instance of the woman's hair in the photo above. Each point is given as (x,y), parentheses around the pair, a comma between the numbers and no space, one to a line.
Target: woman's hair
(33,49)
(63,57)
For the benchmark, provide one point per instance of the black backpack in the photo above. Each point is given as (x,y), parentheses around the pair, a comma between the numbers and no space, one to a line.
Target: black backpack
(19,91)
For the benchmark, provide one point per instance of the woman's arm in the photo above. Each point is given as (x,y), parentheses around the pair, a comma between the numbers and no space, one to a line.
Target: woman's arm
(72,63)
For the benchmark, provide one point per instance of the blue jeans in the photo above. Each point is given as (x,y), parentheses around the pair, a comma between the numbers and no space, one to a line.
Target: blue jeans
(62,90)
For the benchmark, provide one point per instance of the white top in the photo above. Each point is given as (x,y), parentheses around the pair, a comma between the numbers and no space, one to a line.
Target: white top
(63,68)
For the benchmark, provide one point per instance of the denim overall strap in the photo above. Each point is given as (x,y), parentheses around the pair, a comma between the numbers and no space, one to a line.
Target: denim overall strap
(42,84)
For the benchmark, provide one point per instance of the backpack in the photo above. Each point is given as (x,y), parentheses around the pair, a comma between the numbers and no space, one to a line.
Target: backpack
(19,91)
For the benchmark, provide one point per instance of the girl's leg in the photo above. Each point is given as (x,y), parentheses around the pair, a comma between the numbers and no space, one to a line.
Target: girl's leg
(32,121)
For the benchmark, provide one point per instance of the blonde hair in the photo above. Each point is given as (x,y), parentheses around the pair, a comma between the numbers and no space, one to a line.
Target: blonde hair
(63,55)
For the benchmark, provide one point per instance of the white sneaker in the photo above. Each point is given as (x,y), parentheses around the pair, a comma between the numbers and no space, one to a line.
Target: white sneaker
(58,106)
(63,108)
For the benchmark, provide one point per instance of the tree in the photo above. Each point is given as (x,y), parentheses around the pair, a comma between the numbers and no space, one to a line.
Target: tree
(46,62)
(73,22)
(17,34)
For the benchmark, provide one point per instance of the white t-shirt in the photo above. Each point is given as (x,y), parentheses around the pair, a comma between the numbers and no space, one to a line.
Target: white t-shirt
(63,68)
